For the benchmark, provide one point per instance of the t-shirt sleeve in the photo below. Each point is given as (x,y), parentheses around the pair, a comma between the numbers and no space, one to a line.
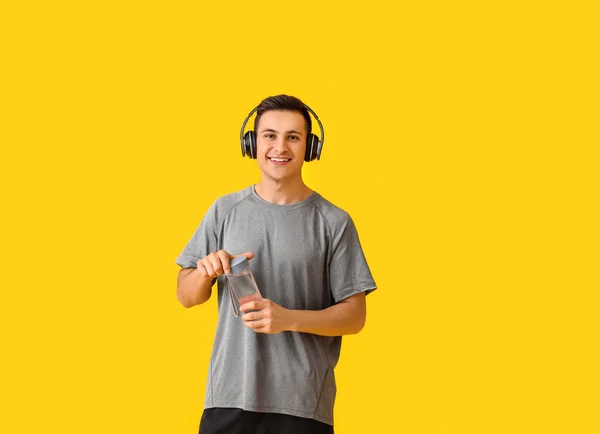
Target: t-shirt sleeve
(349,272)
(203,242)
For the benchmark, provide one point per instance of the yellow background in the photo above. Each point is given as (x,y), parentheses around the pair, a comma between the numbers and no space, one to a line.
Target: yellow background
(461,136)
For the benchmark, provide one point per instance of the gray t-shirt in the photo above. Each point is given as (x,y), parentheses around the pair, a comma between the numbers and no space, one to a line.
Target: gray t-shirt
(307,256)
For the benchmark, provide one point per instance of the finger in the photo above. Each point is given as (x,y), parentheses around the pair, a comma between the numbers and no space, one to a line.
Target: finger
(252,305)
(254,324)
(224,258)
(248,255)
(206,265)
(215,262)
(201,268)
(251,316)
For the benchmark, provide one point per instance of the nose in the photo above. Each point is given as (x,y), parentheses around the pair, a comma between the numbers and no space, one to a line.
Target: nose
(280,145)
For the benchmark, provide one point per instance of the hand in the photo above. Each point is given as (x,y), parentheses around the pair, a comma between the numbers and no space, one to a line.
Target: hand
(217,263)
(268,317)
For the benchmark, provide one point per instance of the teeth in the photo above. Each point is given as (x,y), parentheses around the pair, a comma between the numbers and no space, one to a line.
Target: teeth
(279,160)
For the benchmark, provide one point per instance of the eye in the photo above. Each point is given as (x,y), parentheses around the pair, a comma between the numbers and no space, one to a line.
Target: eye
(269,136)
(294,138)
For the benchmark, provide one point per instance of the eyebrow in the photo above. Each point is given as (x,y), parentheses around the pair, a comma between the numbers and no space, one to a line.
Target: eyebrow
(271,130)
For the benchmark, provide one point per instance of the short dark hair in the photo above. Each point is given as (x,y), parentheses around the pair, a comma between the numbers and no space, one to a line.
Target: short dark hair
(283,103)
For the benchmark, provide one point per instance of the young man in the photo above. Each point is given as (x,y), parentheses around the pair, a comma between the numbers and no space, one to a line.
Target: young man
(271,369)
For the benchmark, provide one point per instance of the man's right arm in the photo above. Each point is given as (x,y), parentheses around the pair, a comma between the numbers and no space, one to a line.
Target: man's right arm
(192,287)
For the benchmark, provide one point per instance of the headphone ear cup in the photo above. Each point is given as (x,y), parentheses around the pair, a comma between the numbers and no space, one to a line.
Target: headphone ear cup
(312,147)
(249,145)
(319,149)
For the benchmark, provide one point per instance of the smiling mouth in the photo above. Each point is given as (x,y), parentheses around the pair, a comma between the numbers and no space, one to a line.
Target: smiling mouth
(279,159)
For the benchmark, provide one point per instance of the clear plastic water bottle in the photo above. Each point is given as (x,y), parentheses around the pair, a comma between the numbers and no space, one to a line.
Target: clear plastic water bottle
(242,286)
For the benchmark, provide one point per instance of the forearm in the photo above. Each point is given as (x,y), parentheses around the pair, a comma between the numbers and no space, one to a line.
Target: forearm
(344,318)
(192,288)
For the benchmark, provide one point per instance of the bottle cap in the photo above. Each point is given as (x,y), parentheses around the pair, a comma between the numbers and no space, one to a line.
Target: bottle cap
(239,264)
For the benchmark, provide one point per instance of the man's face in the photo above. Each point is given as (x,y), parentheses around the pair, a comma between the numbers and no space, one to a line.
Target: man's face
(281,144)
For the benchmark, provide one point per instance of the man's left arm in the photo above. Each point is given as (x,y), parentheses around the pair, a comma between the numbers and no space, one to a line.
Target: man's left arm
(346,317)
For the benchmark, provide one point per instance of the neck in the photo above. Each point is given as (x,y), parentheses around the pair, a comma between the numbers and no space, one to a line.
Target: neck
(281,193)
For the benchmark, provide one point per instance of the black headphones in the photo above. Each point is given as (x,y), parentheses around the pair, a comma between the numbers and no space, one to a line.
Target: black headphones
(313,144)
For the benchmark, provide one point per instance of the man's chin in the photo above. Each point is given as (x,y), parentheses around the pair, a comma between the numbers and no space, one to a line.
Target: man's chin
(280,175)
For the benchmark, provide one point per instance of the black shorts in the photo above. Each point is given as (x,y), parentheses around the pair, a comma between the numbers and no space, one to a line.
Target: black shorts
(238,421)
